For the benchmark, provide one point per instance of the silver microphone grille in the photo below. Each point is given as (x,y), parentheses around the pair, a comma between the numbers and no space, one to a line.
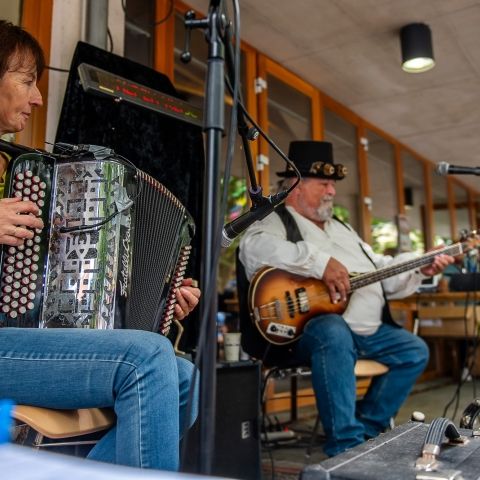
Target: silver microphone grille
(442,168)
(226,240)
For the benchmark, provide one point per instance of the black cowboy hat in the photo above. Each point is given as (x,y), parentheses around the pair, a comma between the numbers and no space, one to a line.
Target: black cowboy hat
(313,159)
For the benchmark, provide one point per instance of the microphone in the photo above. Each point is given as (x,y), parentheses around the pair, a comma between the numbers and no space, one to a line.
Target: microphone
(444,168)
(257,212)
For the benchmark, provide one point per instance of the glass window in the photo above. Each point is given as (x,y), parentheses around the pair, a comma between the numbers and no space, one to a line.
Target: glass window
(139,30)
(476,211)
(441,217)
(289,118)
(190,77)
(461,209)
(414,194)
(343,137)
(382,177)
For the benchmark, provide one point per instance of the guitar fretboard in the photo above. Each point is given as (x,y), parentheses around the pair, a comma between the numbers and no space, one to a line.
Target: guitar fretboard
(387,272)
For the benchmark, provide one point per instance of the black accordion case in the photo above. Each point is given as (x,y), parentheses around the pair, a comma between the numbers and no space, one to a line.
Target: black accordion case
(394,456)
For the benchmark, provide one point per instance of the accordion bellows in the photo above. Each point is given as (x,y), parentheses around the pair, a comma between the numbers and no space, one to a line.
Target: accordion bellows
(113,251)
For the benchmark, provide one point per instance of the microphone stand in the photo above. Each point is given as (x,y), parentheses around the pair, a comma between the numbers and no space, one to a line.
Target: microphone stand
(247,134)
(214,127)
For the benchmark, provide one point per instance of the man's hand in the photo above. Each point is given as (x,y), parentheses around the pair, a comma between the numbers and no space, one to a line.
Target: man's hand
(438,265)
(187,298)
(15,216)
(337,280)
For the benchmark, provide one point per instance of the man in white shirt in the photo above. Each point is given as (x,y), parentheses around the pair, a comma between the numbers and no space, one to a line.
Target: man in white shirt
(327,249)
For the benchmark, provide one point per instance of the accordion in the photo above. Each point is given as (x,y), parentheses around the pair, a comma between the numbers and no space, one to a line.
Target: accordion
(113,251)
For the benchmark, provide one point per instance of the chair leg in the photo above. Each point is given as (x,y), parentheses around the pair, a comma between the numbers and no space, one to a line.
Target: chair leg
(38,441)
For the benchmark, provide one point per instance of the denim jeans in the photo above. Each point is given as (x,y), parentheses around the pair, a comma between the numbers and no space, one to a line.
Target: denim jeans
(135,372)
(331,349)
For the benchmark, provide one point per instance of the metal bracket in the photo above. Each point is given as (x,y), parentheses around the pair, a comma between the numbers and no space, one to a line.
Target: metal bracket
(260,85)
(262,160)
(443,475)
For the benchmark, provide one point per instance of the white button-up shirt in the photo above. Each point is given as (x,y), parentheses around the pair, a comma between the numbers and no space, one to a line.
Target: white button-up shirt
(264,243)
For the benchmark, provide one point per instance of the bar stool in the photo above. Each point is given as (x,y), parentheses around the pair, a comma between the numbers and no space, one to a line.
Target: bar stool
(60,424)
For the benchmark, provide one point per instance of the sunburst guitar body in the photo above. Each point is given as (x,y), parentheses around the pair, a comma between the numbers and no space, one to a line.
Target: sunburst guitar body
(281,303)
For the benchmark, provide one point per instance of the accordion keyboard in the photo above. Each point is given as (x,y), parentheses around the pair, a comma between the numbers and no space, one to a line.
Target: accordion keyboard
(22,266)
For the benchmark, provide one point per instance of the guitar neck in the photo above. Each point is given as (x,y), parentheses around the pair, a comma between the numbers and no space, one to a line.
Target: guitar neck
(387,272)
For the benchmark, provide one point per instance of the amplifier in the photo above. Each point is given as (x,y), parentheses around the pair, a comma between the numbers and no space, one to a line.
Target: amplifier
(397,455)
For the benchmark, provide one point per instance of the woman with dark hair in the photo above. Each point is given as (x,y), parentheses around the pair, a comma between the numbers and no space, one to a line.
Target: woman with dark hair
(134,372)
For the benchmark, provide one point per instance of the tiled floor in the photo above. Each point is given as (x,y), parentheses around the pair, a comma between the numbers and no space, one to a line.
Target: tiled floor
(288,458)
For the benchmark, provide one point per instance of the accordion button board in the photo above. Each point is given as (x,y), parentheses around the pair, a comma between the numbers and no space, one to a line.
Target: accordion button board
(22,274)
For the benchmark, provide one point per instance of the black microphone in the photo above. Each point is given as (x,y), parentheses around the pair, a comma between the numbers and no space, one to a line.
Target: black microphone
(257,212)
(444,168)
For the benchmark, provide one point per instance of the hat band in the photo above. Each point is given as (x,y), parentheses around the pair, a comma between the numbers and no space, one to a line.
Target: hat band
(328,170)
(324,170)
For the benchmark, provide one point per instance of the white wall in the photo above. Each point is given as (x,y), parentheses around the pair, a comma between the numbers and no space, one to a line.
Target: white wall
(68,27)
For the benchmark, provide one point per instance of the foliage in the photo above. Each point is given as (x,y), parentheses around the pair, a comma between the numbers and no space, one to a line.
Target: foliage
(236,205)
(342,213)
(384,236)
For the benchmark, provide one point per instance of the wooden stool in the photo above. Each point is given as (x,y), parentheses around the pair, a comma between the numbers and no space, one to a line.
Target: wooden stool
(62,424)
(365,370)
(369,368)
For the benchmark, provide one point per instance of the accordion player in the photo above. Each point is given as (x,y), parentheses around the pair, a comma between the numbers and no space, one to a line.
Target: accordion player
(113,251)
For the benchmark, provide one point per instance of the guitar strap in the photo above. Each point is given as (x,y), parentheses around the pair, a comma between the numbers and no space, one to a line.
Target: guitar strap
(386,312)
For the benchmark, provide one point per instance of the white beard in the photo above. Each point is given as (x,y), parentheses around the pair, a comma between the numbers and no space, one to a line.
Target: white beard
(325,210)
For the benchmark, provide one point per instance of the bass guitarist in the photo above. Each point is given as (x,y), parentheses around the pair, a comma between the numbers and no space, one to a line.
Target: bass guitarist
(305,239)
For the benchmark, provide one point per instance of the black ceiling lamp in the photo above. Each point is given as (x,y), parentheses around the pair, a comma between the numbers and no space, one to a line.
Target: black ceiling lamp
(417,50)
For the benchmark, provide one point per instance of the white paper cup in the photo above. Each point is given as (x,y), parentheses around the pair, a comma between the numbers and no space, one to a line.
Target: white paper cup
(231,346)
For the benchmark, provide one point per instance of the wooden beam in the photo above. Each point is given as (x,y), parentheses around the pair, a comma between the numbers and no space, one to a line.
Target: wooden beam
(163,35)
(37,20)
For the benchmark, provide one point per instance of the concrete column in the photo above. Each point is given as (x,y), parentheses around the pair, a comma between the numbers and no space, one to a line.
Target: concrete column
(97,23)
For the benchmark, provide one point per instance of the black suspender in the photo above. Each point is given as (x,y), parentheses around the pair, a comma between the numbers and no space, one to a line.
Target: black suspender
(293,232)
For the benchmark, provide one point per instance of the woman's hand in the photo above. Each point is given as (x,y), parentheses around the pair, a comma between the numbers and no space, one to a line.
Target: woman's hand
(15,216)
(188,296)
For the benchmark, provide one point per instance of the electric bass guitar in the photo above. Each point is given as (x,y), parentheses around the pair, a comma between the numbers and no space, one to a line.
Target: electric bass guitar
(281,303)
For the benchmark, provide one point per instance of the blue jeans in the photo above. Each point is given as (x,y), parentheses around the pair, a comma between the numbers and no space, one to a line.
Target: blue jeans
(135,372)
(331,349)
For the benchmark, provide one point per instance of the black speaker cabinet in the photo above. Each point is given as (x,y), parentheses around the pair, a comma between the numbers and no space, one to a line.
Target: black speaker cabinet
(237,434)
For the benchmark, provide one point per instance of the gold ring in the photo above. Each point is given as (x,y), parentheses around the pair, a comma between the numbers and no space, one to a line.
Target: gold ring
(15,232)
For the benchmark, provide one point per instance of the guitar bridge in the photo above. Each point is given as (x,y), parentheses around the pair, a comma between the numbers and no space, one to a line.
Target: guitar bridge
(268,314)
